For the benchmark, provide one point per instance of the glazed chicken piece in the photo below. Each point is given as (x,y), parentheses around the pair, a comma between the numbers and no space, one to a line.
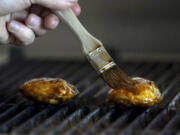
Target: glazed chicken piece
(49,90)
(144,93)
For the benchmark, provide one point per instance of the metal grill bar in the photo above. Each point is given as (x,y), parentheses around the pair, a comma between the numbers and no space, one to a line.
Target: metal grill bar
(86,122)
(10,112)
(70,121)
(52,121)
(36,120)
(22,116)
(141,122)
(164,117)
(18,78)
(90,113)
(173,126)
(103,122)
(117,124)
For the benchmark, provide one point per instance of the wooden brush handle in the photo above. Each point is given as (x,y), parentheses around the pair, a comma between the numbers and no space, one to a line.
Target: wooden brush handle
(95,52)
(89,42)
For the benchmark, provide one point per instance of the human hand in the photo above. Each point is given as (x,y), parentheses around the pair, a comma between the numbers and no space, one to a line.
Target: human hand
(21,21)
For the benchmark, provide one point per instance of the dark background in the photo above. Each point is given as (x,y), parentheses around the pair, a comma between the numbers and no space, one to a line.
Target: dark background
(137,28)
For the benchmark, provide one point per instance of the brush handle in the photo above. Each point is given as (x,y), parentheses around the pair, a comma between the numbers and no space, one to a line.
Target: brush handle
(92,47)
(89,43)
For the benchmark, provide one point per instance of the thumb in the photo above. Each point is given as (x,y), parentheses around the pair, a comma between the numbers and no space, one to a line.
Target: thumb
(9,6)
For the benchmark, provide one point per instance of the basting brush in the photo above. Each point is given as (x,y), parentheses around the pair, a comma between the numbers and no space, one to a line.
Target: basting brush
(96,53)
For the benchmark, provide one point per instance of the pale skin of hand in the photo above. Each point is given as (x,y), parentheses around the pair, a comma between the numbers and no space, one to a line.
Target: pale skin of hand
(21,21)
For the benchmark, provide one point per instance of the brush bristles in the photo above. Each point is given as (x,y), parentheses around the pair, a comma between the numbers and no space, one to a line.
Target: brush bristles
(117,79)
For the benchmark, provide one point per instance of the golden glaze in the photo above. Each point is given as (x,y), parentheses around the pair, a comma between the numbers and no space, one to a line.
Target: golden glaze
(144,93)
(48,90)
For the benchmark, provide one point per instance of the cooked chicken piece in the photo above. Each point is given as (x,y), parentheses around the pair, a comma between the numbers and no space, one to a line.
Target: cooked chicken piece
(144,93)
(49,90)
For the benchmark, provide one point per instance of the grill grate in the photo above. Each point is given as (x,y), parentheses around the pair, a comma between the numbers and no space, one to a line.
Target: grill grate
(90,113)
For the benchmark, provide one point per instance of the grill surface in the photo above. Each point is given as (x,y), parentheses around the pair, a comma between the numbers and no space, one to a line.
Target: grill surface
(90,113)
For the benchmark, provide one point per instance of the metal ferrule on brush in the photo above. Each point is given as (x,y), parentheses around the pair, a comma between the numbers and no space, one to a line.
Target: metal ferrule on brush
(100,59)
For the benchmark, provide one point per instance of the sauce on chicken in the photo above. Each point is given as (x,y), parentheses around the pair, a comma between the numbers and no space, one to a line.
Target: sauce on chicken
(144,93)
(49,90)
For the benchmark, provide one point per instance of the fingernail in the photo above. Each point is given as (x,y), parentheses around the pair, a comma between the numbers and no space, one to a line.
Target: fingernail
(55,24)
(34,21)
(14,26)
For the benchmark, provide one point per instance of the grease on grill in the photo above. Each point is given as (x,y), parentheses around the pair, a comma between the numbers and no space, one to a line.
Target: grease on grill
(144,93)
(49,90)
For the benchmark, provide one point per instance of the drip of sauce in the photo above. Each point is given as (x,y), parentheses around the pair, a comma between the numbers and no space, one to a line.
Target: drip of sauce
(49,90)
(143,93)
